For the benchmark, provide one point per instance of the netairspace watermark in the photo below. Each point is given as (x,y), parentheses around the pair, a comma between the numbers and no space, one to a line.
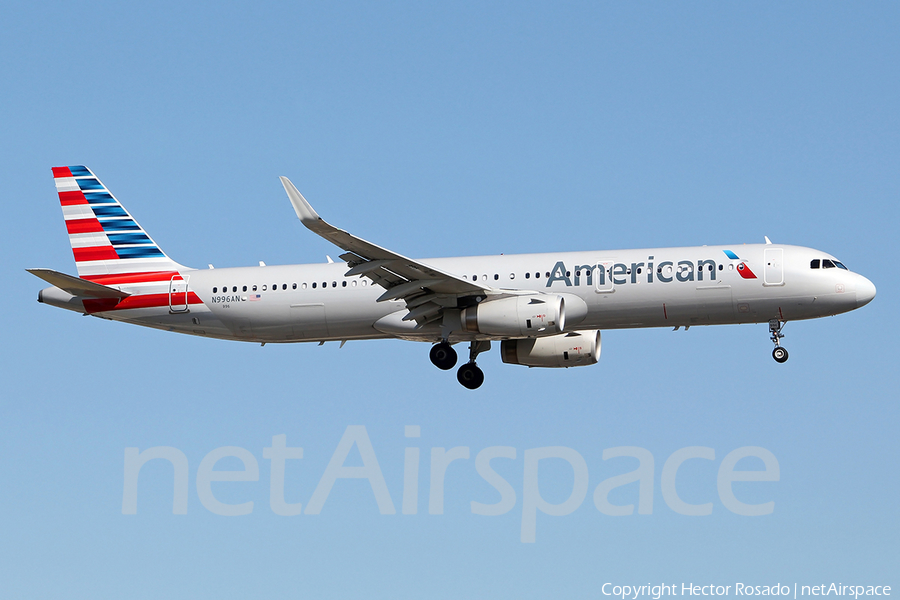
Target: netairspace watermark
(656,592)
(532,502)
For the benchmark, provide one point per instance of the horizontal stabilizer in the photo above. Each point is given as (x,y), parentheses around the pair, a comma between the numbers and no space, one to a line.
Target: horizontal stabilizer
(77,286)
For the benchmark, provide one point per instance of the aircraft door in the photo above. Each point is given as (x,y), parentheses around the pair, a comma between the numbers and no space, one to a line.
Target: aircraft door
(603,277)
(774,267)
(308,321)
(178,291)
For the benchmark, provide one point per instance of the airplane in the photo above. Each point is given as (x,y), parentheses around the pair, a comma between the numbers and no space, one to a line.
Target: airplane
(545,310)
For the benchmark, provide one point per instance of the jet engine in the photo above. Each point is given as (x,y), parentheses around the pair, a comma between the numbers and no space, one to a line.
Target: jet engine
(525,316)
(574,349)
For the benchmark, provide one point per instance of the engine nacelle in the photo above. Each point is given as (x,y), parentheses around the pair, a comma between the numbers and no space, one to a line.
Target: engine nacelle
(574,349)
(524,316)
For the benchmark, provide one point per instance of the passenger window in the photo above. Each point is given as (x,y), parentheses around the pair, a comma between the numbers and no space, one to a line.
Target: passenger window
(354,283)
(569,273)
(254,288)
(344,283)
(245,288)
(274,287)
(294,286)
(215,289)
(324,284)
(303,285)
(264,287)
(512,275)
(527,275)
(474,277)
(720,267)
(814,263)
(284,286)
(314,285)
(334,284)
(234,289)
(827,264)
(537,275)
(496,277)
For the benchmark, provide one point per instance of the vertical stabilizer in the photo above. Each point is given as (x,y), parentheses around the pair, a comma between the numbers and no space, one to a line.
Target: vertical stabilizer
(105,239)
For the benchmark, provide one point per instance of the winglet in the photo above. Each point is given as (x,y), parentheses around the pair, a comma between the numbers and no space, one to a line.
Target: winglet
(768,241)
(305,212)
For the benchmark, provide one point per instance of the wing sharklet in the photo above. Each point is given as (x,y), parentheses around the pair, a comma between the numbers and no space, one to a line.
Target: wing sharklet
(305,212)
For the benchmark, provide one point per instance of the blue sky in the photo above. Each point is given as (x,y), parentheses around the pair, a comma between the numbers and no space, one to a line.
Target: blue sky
(437,131)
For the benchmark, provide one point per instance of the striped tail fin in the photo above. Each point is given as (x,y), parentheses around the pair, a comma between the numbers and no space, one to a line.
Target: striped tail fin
(105,239)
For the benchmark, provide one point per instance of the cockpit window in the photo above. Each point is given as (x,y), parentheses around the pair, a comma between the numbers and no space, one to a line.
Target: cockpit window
(814,263)
(840,265)
(827,264)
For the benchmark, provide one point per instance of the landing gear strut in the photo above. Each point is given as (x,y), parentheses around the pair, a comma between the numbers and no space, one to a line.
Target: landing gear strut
(779,354)
(443,356)
(470,375)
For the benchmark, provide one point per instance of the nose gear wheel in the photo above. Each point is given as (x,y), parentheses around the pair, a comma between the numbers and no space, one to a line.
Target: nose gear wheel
(779,354)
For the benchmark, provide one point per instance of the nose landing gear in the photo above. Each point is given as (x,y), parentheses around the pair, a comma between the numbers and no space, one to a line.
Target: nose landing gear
(779,354)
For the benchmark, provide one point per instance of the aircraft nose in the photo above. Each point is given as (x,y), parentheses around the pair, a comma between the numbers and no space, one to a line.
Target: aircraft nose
(865,291)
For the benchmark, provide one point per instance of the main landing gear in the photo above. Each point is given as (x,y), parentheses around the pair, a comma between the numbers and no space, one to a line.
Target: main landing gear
(443,356)
(469,375)
(779,354)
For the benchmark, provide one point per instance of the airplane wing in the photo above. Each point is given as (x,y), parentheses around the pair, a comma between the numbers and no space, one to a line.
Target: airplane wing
(77,286)
(424,288)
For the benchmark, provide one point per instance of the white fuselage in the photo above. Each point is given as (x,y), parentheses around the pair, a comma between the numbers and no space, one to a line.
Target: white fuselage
(661,287)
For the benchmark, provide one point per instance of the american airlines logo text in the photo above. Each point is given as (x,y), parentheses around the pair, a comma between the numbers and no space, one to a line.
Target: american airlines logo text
(613,273)
(529,499)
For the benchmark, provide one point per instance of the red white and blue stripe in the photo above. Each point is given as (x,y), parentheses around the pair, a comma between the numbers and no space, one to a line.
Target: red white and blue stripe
(110,247)
(105,238)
